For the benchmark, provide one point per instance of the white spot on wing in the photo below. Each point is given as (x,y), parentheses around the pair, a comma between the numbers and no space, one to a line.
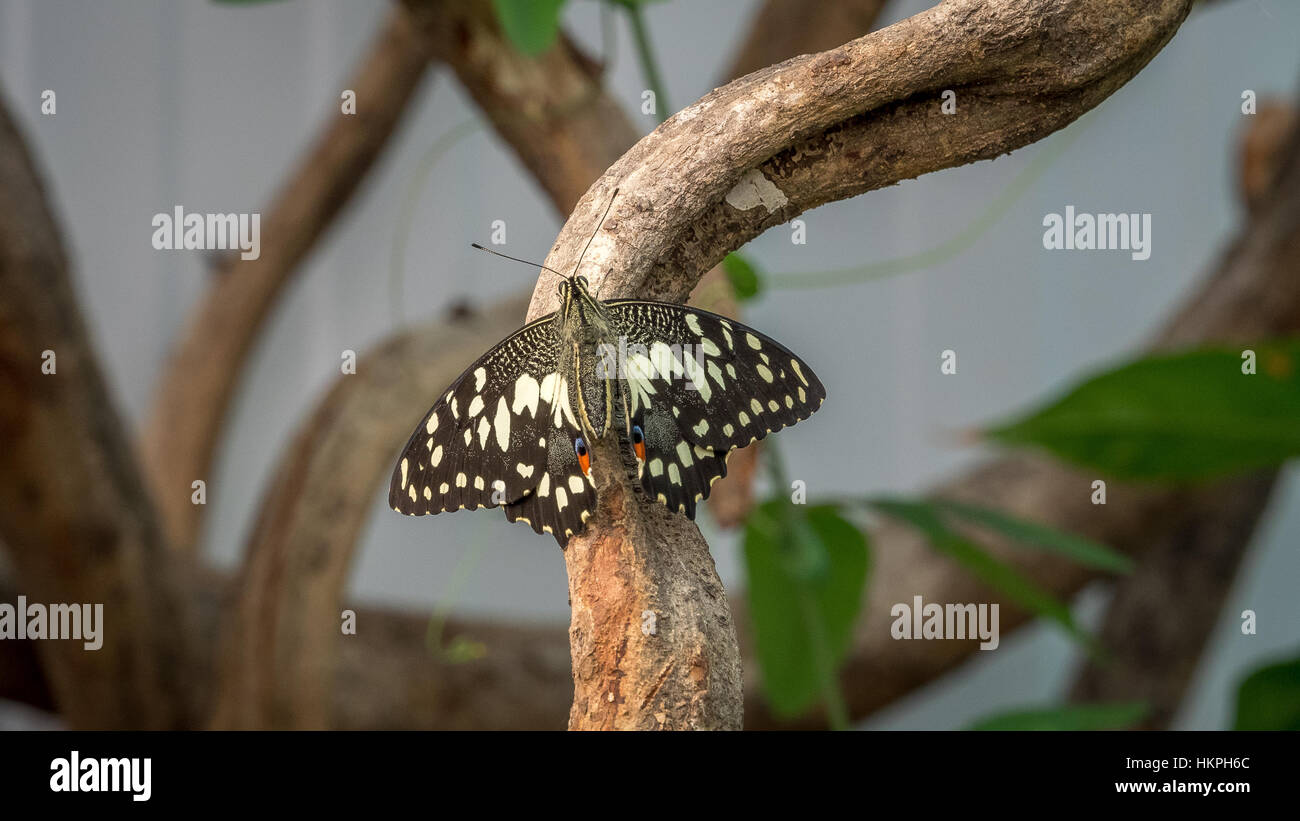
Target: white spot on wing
(798,371)
(527,394)
(698,379)
(502,422)
(684,455)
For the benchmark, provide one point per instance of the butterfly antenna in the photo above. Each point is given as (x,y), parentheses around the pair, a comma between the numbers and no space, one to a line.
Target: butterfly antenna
(516,259)
(612,197)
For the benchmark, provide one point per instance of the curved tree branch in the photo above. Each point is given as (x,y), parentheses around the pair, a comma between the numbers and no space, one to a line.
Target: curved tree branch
(283,637)
(551,109)
(74,514)
(185,421)
(815,129)
(751,155)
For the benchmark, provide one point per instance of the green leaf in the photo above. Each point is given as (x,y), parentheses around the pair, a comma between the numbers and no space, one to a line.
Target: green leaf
(1186,416)
(803,608)
(974,558)
(1084,551)
(531,26)
(1116,716)
(743,276)
(1269,698)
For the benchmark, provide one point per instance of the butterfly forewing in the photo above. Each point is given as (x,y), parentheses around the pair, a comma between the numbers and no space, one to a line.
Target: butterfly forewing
(497,437)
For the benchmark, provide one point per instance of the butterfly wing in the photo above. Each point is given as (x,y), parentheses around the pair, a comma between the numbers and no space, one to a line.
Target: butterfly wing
(497,437)
(700,385)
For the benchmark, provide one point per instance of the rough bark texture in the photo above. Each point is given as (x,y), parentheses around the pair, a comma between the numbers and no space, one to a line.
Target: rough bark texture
(74,515)
(190,403)
(651,636)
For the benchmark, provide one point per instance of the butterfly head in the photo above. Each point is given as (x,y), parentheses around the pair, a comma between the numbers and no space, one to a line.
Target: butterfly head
(569,284)
(577,302)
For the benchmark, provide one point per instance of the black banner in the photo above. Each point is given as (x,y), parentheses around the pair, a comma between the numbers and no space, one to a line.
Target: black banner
(132,771)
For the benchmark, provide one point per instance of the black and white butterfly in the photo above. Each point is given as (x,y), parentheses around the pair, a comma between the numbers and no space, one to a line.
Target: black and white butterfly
(680,387)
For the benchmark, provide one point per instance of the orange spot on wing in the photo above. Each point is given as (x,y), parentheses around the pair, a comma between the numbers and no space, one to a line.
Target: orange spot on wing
(639,449)
(584,462)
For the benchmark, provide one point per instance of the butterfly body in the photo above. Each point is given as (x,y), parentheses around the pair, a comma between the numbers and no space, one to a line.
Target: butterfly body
(679,387)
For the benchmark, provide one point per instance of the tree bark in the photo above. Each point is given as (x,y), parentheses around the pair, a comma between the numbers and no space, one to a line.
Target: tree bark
(551,109)
(651,636)
(74,515)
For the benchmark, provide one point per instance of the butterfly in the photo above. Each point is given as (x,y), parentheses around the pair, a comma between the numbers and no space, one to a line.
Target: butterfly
(680,387)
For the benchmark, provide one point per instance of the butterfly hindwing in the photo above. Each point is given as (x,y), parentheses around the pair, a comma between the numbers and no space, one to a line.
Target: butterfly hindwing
(565,497)
(701,385)
(675,471)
